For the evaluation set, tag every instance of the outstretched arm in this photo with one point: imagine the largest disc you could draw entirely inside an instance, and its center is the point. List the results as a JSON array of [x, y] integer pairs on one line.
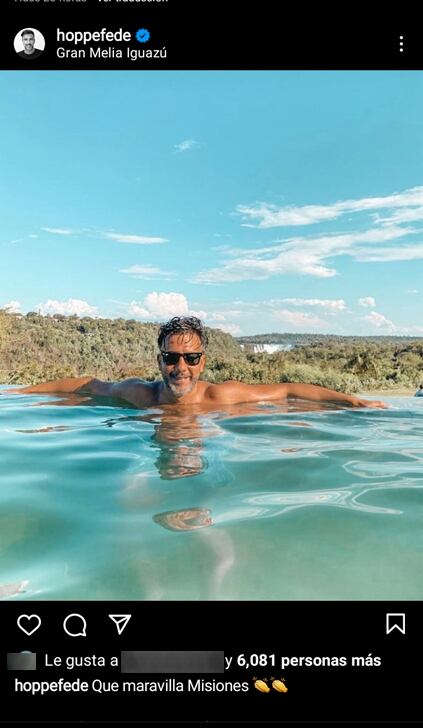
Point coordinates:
[[78, 384], [128, 390], [320, 394], [233, 392]]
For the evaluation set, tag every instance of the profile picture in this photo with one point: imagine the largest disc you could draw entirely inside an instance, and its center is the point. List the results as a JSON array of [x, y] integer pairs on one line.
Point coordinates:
[[29, 43]]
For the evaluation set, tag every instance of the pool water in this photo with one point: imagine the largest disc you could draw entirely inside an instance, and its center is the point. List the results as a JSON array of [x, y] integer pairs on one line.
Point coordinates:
[[265, 502]]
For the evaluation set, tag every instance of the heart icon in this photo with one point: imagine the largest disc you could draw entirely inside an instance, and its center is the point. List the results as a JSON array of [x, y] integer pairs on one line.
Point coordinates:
[[26, 619]]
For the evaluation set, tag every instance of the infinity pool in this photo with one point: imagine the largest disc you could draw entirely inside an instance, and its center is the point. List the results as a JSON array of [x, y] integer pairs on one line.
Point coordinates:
[[251, 502]]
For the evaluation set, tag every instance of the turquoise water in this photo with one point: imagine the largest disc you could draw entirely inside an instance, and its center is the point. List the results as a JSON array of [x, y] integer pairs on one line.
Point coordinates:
[[277, 502]]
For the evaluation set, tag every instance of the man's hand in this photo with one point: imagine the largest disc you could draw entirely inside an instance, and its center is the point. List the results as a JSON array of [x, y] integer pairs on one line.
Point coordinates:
[[370, 403]]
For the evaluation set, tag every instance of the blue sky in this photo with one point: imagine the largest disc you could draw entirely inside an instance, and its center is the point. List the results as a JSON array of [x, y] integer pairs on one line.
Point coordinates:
[[260, 201]]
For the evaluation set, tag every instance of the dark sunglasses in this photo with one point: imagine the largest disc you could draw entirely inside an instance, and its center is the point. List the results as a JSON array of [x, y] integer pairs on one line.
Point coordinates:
[[172, 357]]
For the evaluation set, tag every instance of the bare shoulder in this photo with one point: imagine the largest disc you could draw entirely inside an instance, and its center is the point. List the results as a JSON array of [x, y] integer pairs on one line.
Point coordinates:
[[136, 391]]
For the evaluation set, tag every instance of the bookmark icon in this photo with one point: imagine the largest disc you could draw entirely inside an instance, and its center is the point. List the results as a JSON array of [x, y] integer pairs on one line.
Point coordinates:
[[120, 620], [395, 620]]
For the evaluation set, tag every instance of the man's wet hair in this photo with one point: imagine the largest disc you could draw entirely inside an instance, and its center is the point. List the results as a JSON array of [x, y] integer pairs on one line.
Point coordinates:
[[182, 325], [28, 31]]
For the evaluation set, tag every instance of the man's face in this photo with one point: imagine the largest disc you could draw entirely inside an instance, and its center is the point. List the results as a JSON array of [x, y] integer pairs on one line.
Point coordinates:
[[28, 41], [181, 378]]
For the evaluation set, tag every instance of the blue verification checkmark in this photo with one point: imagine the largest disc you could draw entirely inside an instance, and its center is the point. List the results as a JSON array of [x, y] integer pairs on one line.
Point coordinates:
[[142, 35]]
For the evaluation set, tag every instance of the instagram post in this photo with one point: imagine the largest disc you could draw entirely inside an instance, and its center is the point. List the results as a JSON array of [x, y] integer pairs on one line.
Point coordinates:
[[211, 367]]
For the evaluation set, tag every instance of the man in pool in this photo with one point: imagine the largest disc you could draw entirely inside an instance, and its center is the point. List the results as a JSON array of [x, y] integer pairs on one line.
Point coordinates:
[[182, 342]]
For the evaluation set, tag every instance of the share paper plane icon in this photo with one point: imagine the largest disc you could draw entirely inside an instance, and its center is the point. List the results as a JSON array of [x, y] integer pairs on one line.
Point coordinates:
[[120, 620]]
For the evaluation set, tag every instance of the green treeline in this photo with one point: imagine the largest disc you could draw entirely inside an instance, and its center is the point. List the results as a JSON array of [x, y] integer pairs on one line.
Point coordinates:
[[36, 348]]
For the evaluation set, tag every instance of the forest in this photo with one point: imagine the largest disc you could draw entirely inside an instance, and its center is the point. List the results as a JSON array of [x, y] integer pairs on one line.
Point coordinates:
[[36, 348]]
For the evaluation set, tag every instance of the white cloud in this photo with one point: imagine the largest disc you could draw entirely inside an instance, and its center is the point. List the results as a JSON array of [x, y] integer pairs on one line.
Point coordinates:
[[379, 321], [412, 290], [407, 214], [12, 307], [119, 237], [33, 236], [410, 330], [252, 268], [200, 314], [268, 216], [186, 145], [67, 308], [232, 329], [160, 306], [299, 319], [367, 301], [59, 231], [137, 239], [134, 309], [300, 256], [333, 304], [146, 271], [385, 255], [219, 320], [216, 316]]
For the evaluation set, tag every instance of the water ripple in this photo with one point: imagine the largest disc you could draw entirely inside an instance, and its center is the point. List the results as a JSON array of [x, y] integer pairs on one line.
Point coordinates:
[[100, 502]]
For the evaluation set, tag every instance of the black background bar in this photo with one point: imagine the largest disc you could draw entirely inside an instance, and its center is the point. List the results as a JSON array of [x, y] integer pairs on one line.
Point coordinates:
[[382, 683], [220, 34]]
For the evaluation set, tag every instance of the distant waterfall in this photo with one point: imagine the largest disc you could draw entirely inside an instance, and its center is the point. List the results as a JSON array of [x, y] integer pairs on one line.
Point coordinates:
[[268, 348]]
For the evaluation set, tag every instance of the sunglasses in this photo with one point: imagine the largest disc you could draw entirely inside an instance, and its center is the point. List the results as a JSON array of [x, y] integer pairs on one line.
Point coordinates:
[[172, 357]]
